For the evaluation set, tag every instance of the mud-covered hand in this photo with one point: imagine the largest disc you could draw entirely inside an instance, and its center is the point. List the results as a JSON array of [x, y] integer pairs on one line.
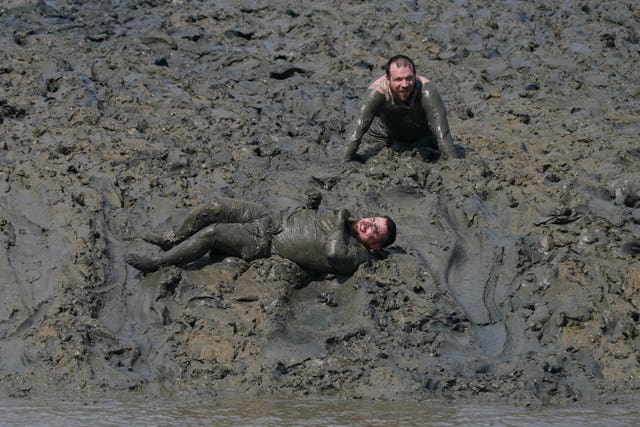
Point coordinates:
[[350, 154], [314, 198], [342, 217], [343, 256], [449, 151], [338, 242]]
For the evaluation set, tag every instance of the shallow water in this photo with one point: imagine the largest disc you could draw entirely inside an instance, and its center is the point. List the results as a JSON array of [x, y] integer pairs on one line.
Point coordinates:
[[238, 412]]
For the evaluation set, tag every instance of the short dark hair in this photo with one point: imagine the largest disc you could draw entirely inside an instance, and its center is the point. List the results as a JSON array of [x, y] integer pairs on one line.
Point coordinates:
[[399, 58], [391, 232]]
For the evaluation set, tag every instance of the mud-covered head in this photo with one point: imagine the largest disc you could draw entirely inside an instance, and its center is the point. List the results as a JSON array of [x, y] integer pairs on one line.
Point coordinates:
[[401, 75], [399, 61], [375, 232]]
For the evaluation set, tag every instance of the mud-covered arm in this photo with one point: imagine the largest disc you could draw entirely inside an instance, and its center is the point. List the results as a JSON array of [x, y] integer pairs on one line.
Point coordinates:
[[362, 120], [437, 119], [344, 256]]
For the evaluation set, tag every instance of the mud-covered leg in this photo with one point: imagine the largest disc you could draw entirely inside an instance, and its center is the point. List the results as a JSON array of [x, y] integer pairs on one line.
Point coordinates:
[[225, 239], [217, 211], [189, 250]]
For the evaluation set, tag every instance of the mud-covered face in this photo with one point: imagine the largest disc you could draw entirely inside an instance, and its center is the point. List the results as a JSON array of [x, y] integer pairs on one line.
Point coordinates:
[[371, 232], [402, 81]]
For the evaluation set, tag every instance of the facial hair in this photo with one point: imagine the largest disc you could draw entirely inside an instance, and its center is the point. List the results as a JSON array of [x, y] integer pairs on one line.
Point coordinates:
[[397, 96]]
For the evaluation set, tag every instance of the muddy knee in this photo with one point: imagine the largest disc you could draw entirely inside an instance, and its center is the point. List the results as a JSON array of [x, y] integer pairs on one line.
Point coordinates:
[[209, 233], [199, 218]]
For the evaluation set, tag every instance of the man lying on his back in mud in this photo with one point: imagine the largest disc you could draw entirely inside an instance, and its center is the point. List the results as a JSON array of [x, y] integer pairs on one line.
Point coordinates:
[[321, 241], [403, 110]]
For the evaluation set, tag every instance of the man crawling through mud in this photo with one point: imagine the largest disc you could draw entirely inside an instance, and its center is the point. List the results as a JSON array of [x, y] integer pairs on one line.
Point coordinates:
[[403, 111], [316, 240]]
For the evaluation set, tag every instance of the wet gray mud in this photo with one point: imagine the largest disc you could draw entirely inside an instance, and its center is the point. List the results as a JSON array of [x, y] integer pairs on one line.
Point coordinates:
[[515, 276]]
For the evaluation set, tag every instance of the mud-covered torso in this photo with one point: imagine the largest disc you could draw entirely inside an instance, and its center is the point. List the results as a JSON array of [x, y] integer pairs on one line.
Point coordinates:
[[403, 123], [304, 238]]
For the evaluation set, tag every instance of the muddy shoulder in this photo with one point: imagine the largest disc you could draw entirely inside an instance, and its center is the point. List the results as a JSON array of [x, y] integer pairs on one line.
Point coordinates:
[[515, 276]]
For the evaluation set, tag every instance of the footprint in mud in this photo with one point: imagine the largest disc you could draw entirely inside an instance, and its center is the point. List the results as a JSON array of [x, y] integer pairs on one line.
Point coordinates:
[[631, 247], [635, 152]]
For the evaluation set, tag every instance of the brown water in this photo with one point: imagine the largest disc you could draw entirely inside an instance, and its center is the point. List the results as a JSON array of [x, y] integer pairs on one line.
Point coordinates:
[[238, 412]]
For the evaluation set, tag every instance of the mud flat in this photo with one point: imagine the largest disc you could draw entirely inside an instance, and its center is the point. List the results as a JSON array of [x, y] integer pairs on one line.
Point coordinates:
[[515, 276]]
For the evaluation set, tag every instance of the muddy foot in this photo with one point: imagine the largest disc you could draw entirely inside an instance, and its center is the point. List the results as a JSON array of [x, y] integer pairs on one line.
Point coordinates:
[[631, 247], [142, 263], [164, 241]]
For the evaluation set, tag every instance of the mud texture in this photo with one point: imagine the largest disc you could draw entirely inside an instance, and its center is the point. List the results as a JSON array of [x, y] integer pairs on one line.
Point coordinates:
[[516, 273]]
